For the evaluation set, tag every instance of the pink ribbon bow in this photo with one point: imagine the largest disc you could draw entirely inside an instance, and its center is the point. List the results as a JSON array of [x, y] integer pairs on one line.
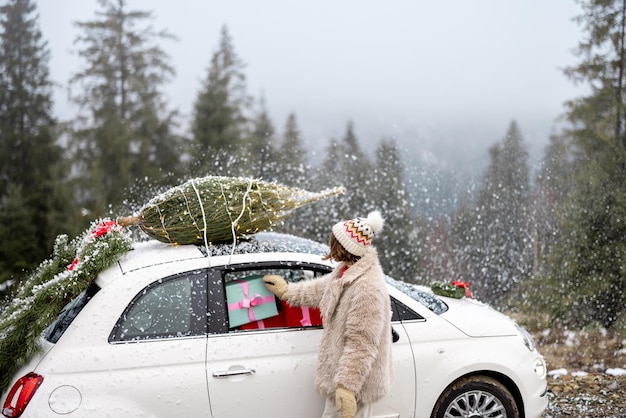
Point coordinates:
[[249, 303], [306, 317]]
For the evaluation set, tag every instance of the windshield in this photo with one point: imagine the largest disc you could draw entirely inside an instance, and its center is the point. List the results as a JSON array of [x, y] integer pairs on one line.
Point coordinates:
[[429, 300], [68, 313]]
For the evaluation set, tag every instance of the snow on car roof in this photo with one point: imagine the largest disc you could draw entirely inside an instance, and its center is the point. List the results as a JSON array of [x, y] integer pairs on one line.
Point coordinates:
[[269, 242], [148, 252]]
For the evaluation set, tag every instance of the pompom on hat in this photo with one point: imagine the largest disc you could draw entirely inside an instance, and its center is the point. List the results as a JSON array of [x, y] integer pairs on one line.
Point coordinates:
[[356, 234]]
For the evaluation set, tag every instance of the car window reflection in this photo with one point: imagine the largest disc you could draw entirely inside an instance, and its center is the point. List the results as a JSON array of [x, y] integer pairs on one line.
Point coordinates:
[[169, 308]]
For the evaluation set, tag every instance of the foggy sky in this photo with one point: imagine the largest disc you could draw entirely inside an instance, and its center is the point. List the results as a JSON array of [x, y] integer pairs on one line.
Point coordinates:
[[448, 73]]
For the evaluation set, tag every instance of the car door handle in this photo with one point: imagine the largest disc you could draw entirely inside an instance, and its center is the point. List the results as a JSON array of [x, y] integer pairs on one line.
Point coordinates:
[[229, 373]]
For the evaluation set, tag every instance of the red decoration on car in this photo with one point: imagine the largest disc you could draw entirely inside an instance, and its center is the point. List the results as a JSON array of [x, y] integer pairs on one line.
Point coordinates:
[[103, 228], [71, 266], [465, 285], [100, 230]]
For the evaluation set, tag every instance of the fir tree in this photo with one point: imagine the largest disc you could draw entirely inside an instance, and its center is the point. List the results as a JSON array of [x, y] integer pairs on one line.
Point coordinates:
[[588, 269], [330, 172], [294, 171], [553, 185], [125, 131], [331, 164], [30, 160], [18, 233], [344, 164], [291, 156], [220, 121], [314, 222], [261, 160], [397, 243], [355, 170], [461, 244], [501, 242], [215, 209]]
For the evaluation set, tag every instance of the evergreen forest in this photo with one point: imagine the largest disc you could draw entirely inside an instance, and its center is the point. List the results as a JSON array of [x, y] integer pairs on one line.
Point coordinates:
[[549, 241]]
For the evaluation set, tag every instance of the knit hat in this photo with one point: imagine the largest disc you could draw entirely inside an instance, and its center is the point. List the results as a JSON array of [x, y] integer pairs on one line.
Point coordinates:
[[356, 234]]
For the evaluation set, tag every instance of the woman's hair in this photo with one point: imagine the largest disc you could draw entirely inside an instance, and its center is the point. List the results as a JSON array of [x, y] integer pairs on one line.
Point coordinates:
[[338, 252]]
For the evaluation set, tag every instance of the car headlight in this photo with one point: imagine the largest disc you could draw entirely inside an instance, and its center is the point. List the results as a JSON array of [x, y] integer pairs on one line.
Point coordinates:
[[540, 367], [526, 337]]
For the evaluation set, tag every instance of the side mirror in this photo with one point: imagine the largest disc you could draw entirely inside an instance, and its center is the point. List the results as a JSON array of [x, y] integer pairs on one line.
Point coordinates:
[[394, 335]]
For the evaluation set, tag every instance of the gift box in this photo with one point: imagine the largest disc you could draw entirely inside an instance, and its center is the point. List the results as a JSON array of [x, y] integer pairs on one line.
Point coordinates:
[[277, 321], [300, 316], [249, 301]]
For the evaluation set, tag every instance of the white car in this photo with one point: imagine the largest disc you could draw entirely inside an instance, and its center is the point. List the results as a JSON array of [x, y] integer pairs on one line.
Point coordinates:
[[152, 337]]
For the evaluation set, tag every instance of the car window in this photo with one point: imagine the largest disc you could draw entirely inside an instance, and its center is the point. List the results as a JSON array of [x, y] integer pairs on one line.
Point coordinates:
[[401, 312], [251, 306], [429, 300], [168, 308], [62, 322], [289, 274]]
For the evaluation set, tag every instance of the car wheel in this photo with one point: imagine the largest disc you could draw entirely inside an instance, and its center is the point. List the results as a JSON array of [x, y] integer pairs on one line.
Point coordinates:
[[476, 397]]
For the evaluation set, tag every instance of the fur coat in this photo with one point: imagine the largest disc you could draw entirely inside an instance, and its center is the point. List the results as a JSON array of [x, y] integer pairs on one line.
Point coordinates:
[[355, 351]]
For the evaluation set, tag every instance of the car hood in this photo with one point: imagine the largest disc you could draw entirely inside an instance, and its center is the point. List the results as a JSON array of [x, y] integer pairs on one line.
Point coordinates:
[[477, 319]]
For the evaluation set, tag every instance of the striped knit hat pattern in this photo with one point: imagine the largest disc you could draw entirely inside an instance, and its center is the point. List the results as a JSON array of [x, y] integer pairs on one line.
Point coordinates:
[[356, 234]]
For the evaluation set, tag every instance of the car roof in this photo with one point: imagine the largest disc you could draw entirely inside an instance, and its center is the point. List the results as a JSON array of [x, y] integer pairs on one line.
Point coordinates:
[[259, 248], [150, 253]]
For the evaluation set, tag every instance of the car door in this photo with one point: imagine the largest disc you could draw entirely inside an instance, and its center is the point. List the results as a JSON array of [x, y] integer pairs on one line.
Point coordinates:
[[401, 399], [260, 372], [270, 372], [158, 351]]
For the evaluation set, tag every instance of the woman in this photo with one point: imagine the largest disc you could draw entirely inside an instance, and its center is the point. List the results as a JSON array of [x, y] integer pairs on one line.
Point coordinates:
[[354, 364]]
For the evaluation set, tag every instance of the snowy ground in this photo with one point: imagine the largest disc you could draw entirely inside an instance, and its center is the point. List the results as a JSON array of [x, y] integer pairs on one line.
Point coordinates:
[[559, 373], [587, 373], [583, 395]]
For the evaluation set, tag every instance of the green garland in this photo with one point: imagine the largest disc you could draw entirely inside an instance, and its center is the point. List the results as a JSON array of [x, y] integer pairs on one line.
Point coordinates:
[[447, 289], [55, 282], [220, 209]]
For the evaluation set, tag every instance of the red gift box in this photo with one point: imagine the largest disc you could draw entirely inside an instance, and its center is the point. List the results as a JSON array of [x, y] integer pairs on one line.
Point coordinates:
[[277, 321], [288, 316], [300, 316]]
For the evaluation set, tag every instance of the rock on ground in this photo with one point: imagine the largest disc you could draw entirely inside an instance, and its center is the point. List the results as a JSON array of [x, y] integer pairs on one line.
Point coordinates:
[[592, 395]]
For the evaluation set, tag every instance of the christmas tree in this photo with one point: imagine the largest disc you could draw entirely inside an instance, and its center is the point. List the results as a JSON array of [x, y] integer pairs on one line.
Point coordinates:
[[217, 209]]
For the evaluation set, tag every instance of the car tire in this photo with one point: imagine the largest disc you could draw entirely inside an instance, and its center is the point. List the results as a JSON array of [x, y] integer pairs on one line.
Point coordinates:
[[476, 397]]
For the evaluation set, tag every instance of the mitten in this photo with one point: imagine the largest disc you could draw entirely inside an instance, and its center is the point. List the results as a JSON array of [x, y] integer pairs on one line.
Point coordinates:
[[276, 284], [345, 402]]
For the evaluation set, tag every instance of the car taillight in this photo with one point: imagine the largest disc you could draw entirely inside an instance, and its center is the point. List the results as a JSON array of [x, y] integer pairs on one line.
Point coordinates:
[[21, 393]]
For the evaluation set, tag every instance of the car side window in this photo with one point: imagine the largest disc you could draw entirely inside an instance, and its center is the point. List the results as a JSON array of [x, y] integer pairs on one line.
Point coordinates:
[[252, 307], [401, 312], [63, 321], [168, 308]]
